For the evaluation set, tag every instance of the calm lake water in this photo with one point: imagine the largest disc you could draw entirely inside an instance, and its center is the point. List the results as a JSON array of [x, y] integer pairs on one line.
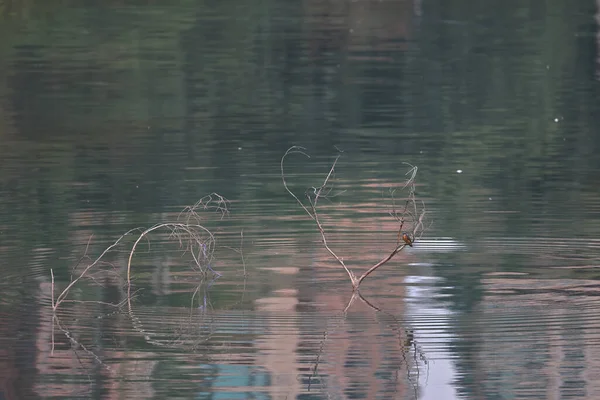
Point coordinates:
[[117, 116]]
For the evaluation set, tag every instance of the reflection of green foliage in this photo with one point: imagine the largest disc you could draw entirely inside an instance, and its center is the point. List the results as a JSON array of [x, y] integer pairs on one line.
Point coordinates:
[[122, 99], [498, 92], [106, 78], [108, 63], [493, 85]]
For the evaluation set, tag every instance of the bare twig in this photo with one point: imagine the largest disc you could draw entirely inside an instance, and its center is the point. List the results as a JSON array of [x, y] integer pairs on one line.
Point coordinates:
[[197, 244], [213, 201], [312, 212], [66, 290], [397, 250], [411, 215], [188, 231]]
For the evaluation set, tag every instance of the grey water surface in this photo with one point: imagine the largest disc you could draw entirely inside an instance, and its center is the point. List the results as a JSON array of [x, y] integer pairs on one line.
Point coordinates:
[[116, 115]]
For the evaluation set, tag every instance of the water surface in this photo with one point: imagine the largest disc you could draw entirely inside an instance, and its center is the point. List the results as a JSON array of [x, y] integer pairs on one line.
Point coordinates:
[[117, 116]]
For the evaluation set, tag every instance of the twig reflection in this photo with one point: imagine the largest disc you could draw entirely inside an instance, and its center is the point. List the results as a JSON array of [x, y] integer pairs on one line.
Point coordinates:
[[411, 353]]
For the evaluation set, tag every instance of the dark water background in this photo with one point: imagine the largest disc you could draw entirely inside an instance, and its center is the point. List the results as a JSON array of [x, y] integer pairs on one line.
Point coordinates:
[[117, 114]]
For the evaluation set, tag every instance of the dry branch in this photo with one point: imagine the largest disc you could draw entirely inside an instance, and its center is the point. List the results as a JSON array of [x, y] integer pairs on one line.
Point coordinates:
[[412, 214], [312, 212], [200, 244], [61, 297], [192, 236]]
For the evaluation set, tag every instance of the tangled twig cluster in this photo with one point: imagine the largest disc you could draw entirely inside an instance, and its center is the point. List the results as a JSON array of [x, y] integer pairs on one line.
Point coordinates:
[[193, 238]]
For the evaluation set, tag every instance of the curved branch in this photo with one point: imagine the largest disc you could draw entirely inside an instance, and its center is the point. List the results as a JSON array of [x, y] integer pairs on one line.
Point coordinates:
[[291, 150], [312, 212], [191, 229], [65, 291]]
